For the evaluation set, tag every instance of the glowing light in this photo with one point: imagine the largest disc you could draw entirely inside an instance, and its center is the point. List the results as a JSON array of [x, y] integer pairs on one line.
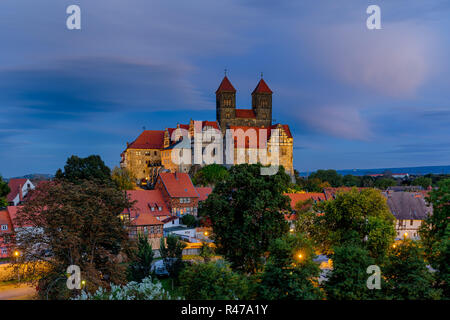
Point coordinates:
[[16, 253]]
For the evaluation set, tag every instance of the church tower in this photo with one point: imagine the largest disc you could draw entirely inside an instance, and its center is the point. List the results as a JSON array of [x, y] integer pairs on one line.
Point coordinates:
[[225, 103], [262, 103]]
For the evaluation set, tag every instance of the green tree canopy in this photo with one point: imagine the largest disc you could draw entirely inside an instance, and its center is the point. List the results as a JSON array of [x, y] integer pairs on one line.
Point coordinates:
[[140, 265], [123, 178], [210, 175], [406, 274], [350, 180], [4, 191], [172, 252], [360, 217], [384, 183], [435, 235], [78, 225], [348, 279], [189, 220], [424, 182], [89, 168], [246, 213], [290, 272], [214, 281], [330, 176]]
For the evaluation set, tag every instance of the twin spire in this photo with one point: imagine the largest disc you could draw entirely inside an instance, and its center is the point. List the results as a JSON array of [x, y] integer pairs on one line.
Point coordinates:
[[226, 86]]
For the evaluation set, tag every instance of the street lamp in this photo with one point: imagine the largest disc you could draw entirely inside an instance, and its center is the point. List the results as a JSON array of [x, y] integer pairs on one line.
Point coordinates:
[[17, 254], [205, 233], [291, 230], [405, 235]]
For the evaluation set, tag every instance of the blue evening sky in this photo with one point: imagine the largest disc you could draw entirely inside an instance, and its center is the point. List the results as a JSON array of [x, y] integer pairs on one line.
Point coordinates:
[[353, 97]]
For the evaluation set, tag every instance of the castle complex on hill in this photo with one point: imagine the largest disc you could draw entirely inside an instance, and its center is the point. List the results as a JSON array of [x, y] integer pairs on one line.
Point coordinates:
[[151, 152]]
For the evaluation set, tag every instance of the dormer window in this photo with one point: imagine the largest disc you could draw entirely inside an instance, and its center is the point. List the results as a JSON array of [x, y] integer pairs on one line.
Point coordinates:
[[153, 208], [4, 227], [160, 208]]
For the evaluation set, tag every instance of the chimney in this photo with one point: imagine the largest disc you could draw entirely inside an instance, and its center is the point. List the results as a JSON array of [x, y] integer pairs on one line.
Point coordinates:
[[176, 175]]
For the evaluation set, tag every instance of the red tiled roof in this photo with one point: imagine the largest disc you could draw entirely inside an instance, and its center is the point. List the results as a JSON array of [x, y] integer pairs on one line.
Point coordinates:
[[12, 211], [149, 139], [225, 85], [14, 185], [262, 87], [178, 185], [141, 213], [184, 126], [245, 113], [145, 199], [170, 219], [204, 192], [210, 124], [5, 219], [296, 197]]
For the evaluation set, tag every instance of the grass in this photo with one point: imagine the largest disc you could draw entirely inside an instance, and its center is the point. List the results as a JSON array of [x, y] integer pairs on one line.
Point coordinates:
[[167, 285]]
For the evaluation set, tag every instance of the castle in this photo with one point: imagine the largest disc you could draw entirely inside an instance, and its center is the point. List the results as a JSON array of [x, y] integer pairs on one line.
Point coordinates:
[[151, 152]]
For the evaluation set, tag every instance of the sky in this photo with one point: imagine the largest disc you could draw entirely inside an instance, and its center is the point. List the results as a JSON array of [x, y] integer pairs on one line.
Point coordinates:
[[353, 97]]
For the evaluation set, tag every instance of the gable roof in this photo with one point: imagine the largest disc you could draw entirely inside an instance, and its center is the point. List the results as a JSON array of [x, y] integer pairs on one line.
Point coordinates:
[[141, 213], [203, 192], [15, 185], [262, 87], [148, 139], [225, 85], [178, 185], [407, 205], [5, 219], [296, 197]]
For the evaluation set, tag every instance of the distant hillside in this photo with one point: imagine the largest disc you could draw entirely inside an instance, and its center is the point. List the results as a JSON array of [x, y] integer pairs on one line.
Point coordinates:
[[34, 177], [417, 171]]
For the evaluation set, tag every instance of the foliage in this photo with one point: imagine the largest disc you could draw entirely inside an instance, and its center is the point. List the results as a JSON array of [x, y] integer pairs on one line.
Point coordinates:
[[424, 182], [210, 175], [140, 266], [290, 272], [360, 217], [435, 235], [384, 183], [123, 178], [245, 212], [350, 180], [206, 252], [146, 290], [348, 279], [189, 220], [171, 252], [72, 224], [406, 273], [214, 281], [331, 176], [4, 191], [89, 168]]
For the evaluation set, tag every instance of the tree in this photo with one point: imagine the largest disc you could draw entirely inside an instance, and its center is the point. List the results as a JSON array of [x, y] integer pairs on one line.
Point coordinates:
[[367, 182], [172, 252], [348, 279], [435, 235], [4, 191], [384, 183], [123, 178], [189, 220], [214, 281], [290, 272], [210, 175], [360, 217], [316, 185], [330, 176], [141, 264], [406, 273], [65, 224], [423, 182], [350, 180], [246, 214], [89, 168], [206, 252]]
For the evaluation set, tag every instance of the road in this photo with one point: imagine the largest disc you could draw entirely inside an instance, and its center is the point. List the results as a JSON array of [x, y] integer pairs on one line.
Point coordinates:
[[16, 292]]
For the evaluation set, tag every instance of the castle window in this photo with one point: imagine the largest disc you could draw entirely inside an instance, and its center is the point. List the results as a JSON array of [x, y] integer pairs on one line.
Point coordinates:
[[227, 102]]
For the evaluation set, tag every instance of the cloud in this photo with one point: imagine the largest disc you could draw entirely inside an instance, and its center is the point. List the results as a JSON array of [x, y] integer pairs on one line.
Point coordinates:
[[395, 61], [339, 121]]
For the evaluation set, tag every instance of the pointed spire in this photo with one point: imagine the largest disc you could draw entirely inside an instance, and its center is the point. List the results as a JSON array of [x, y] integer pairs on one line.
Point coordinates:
[[262, 87], [225, 85]]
